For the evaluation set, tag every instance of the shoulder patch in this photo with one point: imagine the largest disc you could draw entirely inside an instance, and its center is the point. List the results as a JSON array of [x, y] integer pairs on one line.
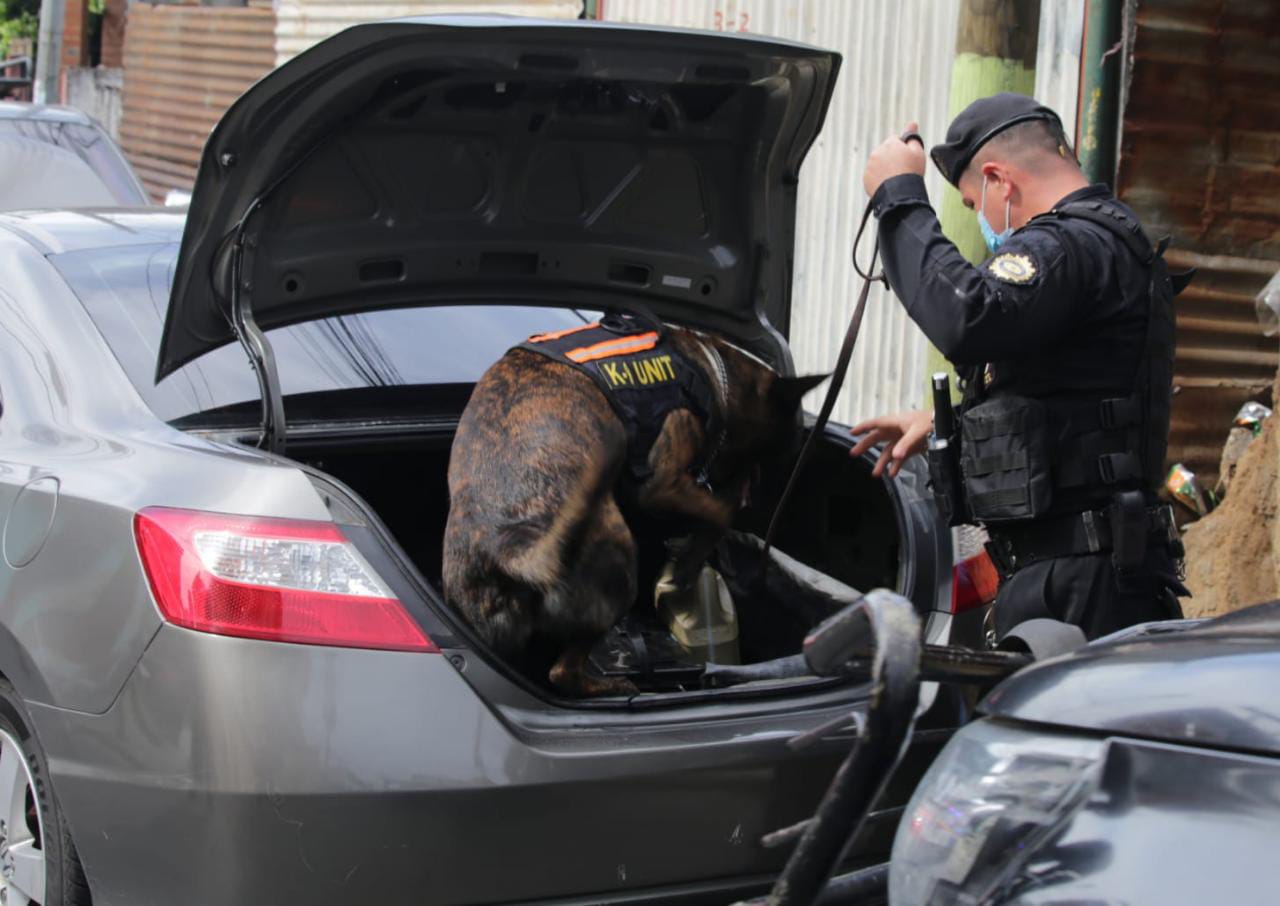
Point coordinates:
[[1012, 268]]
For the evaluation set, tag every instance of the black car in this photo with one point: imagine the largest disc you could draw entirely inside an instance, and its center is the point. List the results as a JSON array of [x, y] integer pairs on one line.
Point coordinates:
[[1142, 768]]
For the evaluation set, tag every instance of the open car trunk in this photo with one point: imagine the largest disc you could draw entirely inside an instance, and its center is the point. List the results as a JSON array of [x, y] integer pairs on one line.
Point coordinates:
[[841, 522], [461, 161]]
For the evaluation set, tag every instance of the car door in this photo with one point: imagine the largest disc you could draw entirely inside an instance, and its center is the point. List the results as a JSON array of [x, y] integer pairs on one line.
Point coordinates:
[[75, 613]]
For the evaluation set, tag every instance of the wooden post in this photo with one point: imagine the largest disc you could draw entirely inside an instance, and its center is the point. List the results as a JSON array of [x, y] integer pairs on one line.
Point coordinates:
[[995, 51]]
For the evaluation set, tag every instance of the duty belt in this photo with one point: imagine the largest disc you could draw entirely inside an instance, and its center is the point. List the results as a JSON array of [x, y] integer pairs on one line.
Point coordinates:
[[1013, 547]]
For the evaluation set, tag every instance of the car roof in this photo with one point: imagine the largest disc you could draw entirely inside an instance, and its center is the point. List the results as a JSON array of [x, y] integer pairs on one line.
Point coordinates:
[[50, 113], [56, 232]]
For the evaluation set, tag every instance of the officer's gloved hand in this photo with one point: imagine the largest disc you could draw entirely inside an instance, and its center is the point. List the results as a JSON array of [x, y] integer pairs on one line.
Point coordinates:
[[903, 434], [893, 157]]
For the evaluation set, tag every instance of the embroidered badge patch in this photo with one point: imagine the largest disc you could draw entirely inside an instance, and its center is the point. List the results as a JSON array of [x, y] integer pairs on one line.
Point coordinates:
[[1012, 268]]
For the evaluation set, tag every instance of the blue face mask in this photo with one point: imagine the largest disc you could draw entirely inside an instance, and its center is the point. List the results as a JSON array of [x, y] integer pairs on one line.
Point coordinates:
[[993, 239]]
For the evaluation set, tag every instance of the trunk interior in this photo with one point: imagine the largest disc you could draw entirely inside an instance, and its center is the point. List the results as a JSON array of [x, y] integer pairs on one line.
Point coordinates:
[[841, 522]]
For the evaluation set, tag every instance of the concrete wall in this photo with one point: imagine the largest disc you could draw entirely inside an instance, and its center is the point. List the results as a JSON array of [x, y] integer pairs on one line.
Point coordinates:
[[99, 93]]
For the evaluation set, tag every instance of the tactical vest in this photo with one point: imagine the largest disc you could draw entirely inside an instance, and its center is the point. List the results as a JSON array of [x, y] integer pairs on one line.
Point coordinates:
[[643, 376], [1019, 453]]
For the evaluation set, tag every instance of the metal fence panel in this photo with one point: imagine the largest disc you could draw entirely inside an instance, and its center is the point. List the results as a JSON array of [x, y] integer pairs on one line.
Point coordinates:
[[184, 66], [897, 67], [302, 23], [1058, 58], [1200, 162]]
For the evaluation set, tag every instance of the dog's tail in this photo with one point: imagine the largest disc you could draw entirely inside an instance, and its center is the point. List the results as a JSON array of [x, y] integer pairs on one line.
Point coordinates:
[[536, 551]]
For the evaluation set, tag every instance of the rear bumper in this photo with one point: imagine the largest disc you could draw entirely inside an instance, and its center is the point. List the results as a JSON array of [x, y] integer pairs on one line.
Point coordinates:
[[234, 771]]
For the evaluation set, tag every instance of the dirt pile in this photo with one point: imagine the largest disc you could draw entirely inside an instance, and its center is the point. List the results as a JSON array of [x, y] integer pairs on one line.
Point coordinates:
[[1233, 554]]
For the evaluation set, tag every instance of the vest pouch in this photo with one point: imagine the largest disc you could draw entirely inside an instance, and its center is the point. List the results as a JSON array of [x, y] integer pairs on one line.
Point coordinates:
[[1005, 459], [944, 479]]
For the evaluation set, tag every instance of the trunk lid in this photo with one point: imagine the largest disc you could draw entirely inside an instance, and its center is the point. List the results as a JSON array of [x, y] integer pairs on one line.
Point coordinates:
[[483, 159]]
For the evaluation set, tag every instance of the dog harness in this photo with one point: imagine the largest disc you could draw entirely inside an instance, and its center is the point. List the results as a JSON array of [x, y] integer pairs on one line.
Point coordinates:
[[644, 377]]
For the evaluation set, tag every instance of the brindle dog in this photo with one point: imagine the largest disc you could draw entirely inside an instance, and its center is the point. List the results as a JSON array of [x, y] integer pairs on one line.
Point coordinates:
[[536, 544]]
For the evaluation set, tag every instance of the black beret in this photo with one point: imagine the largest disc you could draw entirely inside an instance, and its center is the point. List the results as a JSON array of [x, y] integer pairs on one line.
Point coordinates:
[[981, 121]]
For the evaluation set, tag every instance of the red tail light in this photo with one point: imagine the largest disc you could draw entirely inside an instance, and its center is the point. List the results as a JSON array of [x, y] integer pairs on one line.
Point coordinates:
[[282, 580], [975, 582]]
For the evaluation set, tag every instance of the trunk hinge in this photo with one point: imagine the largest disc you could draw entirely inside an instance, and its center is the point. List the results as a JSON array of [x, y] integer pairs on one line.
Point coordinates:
[[272, 429]]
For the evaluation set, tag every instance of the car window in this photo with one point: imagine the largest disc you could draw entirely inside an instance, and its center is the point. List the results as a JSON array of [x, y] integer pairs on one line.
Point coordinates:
[[126, 292], [55, 164]]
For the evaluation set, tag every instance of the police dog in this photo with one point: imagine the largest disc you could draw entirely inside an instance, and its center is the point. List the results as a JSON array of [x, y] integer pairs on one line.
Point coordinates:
[[536, 546]]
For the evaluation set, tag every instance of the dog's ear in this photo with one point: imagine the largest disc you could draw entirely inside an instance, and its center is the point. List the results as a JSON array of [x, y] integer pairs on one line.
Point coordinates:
[[788, 391]]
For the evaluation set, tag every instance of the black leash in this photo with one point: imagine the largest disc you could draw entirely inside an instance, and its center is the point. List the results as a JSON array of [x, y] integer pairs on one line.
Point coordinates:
[[842, 362], [837, 377]]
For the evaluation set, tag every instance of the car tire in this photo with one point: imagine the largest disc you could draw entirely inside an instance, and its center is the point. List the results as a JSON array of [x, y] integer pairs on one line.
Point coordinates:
[[42, 828]]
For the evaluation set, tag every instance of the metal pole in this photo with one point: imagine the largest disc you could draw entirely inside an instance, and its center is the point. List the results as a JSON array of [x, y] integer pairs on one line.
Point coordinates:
[[1100, 68], [48, 52]]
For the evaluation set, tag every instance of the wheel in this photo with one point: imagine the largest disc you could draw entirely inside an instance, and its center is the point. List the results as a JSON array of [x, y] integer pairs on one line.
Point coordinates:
[[38, 861]]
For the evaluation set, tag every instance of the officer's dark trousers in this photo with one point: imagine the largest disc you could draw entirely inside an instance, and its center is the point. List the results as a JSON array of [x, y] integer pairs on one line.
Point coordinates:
[[1084, 590]]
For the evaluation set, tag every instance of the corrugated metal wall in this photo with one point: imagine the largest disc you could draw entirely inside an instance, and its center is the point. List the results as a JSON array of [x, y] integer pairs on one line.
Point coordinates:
[[897, 66], [184, 65], [301, 23], [1200, 161], [1058, 58]]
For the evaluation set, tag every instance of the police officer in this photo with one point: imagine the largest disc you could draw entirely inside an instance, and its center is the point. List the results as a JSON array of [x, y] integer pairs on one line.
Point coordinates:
[[1063, 343]]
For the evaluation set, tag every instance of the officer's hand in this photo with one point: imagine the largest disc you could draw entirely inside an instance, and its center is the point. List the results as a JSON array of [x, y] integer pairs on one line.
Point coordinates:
[[893, 158], [903, 435]]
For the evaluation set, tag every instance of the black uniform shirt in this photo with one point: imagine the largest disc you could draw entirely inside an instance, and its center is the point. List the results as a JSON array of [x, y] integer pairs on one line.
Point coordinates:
[[1058, 311]]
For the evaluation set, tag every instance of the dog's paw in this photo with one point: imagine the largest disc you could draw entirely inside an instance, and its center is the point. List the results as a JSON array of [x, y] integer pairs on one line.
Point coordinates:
[[583, 685], [614, 685]]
